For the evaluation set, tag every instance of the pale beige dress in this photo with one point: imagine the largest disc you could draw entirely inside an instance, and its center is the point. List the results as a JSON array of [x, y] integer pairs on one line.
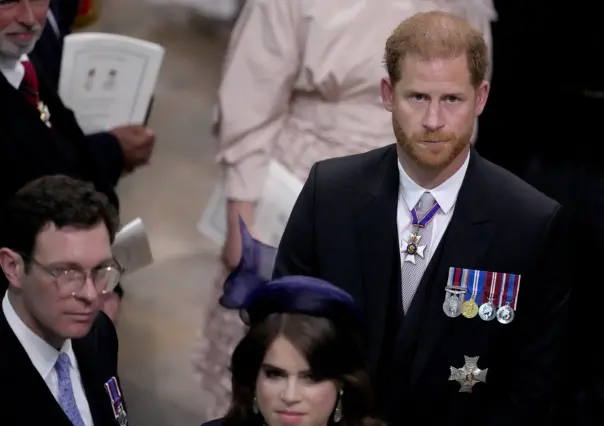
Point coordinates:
[[301, 83]]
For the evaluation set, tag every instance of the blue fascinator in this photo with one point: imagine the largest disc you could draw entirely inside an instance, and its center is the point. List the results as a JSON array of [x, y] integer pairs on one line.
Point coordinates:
[[250, 289]]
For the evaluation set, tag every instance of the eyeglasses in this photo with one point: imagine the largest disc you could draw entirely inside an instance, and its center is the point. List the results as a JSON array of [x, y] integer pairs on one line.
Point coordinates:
[[71, 281]]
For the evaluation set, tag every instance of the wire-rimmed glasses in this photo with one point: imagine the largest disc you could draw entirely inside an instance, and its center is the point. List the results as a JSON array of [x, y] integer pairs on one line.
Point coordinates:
[[70, 280]]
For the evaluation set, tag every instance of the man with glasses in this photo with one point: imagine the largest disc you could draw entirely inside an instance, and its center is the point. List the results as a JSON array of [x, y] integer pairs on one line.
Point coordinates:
[[55, 239]]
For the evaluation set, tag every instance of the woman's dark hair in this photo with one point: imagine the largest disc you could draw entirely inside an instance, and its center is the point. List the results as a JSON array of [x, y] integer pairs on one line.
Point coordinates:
[[333, 350]]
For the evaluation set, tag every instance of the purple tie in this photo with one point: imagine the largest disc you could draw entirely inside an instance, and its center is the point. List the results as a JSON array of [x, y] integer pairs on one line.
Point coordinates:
[[66, 397]]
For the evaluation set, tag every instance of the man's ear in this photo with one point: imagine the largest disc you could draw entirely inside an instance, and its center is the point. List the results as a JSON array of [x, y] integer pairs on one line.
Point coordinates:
[[482, 94], [12, 265], [387, 89]]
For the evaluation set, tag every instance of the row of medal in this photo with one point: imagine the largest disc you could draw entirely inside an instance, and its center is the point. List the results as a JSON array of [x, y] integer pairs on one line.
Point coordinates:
[[489, 295]]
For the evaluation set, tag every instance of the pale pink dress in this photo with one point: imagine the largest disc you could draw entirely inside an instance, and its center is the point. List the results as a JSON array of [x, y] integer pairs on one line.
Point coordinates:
[[301, 83]]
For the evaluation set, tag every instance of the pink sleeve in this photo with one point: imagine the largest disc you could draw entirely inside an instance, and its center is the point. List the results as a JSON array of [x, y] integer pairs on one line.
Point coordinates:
[[261, 65]]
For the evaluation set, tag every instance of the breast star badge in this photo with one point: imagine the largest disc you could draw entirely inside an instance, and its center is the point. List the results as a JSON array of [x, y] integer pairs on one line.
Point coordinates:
[[468, 375], [412, 248]]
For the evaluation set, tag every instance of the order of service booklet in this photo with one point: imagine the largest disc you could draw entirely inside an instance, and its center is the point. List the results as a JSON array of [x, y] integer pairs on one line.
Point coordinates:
[[108, 80]]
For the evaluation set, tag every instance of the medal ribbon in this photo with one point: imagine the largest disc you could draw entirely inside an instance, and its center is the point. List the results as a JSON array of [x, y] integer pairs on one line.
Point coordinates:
[[478, 289], [479, 280], [512, 290], [489, 291], [456, 280], [508, 293], [450, 279], [464, 280], [502, 290], [471, 283], [509, 290], [115, 394], [426, 219]]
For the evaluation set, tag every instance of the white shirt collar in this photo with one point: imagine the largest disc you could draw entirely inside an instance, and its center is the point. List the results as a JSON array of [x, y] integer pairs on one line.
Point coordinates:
[[42, 355], [445, 194], [13, 70]]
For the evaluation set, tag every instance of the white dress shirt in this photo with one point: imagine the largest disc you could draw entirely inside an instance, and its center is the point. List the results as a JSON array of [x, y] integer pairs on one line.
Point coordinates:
[[444, 194], [13, 70], [44, 357]]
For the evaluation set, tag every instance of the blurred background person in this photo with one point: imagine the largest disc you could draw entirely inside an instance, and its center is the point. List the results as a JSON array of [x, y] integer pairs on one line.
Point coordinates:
[[300, 84], [88, 12], [302, 360], [215, 10]]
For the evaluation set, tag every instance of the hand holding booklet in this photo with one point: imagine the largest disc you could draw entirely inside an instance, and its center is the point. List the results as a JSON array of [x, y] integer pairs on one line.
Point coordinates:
[[131, 247], [108, 80]]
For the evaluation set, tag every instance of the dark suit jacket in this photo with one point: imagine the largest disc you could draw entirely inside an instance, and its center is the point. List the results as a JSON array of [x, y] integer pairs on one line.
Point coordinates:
[[30, 150], [49, 48], [28, 401], [343, 229], [47, 56]]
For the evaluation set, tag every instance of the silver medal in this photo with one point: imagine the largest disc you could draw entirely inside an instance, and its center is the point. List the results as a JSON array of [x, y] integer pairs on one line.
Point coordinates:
[[505, 314], [487, 311], [122, 418], [452, 306]]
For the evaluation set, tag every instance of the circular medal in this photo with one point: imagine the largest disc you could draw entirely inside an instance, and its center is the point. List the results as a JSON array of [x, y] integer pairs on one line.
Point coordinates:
[[470, 309], [411, 248], [452, 306], [487, 311], [505, 314]]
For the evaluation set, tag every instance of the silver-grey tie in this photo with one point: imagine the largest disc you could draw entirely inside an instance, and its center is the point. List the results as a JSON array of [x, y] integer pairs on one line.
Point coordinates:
[[411, 274]]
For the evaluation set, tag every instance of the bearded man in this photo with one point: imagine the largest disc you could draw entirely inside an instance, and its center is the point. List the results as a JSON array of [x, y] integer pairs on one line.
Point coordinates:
[[453, 260]]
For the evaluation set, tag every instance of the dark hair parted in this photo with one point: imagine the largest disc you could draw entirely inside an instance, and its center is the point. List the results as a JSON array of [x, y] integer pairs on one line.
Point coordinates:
[[333, 350], [60, 200]]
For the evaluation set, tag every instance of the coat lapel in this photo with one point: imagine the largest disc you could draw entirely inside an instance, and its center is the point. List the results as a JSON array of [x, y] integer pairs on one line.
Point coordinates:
[[62, 149], [27, 389], [377, 237], [37, 147], [463, 246], [93, 381]]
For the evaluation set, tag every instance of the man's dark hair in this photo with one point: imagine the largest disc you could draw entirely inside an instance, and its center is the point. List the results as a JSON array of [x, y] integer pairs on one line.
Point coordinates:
[[60, 200]]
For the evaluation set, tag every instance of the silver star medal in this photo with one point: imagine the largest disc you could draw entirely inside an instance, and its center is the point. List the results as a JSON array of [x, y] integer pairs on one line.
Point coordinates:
[[468, 375], [412, 248]]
